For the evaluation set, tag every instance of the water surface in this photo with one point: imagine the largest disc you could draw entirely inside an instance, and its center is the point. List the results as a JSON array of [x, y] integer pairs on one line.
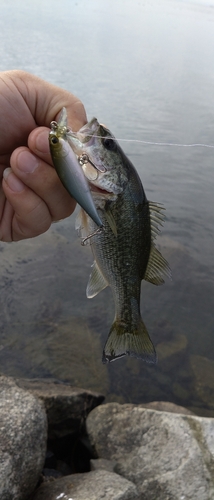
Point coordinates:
[[146, 70]]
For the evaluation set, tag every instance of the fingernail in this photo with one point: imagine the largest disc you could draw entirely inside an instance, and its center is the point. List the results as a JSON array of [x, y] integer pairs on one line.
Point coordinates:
[[42, 142], [26, 162], [12, 181]]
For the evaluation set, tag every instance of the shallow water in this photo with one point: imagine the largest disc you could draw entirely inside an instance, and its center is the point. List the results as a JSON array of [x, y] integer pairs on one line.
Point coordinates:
[[146, 70]]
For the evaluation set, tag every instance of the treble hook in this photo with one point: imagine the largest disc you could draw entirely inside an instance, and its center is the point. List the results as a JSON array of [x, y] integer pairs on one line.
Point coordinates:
[[97, 231], [84, 158]]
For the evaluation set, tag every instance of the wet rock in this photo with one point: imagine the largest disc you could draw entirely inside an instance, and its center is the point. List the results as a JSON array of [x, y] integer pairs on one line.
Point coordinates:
[[203, 369], [201, 411], [102, 464], [89, 486], [168, 456], [23, 434], [67, 407], [63, 468], [171, 352], [50, 474], [166, 406]]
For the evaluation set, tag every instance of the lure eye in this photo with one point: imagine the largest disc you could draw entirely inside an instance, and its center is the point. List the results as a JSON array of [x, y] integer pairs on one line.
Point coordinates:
[[54, 140], [109, 144]]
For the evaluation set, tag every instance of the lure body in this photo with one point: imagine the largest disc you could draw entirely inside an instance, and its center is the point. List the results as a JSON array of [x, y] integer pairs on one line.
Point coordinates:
[[69, 170]]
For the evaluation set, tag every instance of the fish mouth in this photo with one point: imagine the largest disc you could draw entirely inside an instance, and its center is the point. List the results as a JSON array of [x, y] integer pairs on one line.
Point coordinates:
[[85, 135], [99, 190]]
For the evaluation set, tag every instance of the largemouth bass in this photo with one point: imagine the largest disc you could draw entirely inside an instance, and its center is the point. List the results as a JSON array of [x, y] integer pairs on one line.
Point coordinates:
[[124, 252], [68, 168]]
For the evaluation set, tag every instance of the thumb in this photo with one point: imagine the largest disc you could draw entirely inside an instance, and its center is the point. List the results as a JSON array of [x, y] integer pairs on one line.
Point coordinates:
[[46, 100]]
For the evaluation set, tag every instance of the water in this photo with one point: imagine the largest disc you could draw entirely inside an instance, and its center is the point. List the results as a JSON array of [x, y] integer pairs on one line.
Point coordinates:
[[146, 70]]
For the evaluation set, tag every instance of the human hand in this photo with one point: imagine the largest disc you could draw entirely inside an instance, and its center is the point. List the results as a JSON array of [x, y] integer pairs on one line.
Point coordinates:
[[31, 195]]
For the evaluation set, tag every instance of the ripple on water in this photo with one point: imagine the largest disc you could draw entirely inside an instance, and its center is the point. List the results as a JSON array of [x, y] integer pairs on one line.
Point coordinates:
[[49, 328]]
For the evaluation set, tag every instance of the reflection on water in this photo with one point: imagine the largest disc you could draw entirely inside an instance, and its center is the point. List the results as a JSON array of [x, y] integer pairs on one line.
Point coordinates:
[[147, 72], [44, 327], [50, 329]]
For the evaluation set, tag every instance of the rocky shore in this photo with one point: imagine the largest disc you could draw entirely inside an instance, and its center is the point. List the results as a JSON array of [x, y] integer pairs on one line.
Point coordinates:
[[60, 442]]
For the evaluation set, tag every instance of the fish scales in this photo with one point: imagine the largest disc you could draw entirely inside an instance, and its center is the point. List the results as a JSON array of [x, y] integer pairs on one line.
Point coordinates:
[[123, 260], [124, 251], [124, 265]]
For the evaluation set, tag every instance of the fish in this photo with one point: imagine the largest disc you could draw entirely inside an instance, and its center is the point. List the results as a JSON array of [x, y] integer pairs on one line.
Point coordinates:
[[69, 169], [124, 252]]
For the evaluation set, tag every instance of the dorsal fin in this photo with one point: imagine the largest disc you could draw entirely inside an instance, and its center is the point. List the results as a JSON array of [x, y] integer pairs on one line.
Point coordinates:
[[156, 218], [96, 282]]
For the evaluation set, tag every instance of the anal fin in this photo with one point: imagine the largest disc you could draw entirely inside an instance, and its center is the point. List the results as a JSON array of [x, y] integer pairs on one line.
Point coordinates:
[[96, 282], [82, 224], [157, 267]]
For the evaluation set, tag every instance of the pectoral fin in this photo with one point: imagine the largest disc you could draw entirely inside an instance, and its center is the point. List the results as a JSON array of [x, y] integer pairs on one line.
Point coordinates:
[[96, 282], [110, 219]]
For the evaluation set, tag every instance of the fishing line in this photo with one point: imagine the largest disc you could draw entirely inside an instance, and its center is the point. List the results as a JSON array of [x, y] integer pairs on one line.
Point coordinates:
[[194, 145]]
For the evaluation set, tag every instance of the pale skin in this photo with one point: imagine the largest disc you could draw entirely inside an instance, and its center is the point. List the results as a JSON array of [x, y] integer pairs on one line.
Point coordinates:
[[31, 194]]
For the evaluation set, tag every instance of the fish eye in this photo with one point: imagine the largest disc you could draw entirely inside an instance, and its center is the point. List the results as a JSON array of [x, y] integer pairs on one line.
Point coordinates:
[[54, 140], [109, 144]]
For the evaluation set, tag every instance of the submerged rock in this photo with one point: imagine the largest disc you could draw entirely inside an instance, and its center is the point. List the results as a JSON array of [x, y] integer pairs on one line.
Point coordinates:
[[88, 486], [203, 369], [171, 352], [44, 313], [23, 434], [168, 456], [72, 353], [67, 407]]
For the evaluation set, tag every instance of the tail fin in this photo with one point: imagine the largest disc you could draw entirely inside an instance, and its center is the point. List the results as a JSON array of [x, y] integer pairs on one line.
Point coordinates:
[[122, 342]]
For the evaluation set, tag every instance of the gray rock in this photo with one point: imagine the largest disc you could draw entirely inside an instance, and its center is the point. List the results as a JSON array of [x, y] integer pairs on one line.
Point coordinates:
[[168, 456], [94, 485], [166, 406], [23, 434], [67, 407], [102, 464]]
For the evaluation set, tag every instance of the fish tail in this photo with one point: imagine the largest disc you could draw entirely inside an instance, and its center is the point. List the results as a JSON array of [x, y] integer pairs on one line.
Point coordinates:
[[124, 341]]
